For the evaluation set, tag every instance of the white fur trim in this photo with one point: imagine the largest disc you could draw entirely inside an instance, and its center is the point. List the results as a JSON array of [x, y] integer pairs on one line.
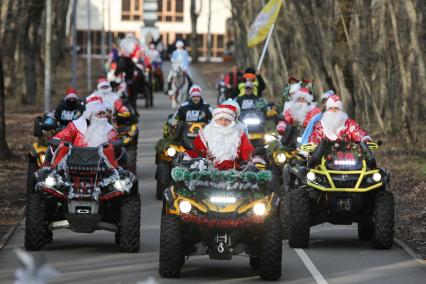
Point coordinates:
[[81, 124], [330, 103], [308, 97], [224, 113]]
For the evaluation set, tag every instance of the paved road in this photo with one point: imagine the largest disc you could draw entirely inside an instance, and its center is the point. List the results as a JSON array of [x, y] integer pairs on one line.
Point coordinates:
[[335, 255]]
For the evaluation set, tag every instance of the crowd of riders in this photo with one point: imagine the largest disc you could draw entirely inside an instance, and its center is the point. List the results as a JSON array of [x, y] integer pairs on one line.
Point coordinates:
[[225, 137]]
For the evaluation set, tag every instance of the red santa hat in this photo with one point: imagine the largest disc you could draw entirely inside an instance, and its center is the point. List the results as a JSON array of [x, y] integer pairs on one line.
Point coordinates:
[[226, 111], [93, 106], [102, 84], [233, 103], [71, 93], [334, 101], [195, 91], [302, 93]]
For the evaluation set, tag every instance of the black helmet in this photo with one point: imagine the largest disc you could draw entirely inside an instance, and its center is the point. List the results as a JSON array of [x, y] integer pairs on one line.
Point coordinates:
[[49, 123]]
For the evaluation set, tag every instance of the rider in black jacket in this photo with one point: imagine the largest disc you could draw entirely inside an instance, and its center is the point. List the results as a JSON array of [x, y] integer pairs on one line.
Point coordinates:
[[193, 110], [70, 108]]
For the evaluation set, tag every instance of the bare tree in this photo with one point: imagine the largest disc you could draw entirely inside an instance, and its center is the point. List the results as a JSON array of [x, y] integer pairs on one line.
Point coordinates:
[[194, 38]]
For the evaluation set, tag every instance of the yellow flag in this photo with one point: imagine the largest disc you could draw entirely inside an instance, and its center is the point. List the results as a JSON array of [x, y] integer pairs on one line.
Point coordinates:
[[263, 22]]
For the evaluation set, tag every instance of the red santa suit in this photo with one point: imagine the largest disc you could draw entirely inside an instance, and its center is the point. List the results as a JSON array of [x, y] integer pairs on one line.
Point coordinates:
[[295, 112], [228, 146], [81, 134], [336, 126], [109, 98]]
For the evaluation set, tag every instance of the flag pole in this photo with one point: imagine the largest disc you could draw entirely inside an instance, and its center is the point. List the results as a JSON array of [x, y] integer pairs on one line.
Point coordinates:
[[265, 47]]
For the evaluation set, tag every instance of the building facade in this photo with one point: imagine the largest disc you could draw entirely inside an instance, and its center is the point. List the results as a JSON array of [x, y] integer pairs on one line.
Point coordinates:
[[119, 17]]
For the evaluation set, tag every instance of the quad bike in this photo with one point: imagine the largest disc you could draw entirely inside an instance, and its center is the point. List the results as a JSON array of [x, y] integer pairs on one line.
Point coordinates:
[[281, 157], [220, 214], [341, 184], [127, 128], [169, 150], [84, 189], [44, 128]]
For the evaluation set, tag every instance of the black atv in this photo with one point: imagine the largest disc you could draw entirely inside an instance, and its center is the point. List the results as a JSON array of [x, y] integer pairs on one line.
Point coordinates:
[[84, 189]]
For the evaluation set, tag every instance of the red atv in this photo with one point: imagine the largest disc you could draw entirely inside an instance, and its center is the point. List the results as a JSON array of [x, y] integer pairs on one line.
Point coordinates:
[[84, 189]]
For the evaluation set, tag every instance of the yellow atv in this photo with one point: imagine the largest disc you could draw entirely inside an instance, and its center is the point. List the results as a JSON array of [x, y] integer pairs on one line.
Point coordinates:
[[281, 157], [128, 132], [44, 128], [168, 149], [220, 214], [341, 184]]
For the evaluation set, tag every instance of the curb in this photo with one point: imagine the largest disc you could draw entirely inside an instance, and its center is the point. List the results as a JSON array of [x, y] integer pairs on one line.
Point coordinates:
[[410, 252], [10, 232]]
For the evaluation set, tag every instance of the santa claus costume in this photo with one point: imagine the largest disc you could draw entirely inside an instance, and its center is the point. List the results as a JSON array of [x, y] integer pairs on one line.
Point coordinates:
[[111, 99], [295, 111], [336, 126], [226, 146], [89, 130]]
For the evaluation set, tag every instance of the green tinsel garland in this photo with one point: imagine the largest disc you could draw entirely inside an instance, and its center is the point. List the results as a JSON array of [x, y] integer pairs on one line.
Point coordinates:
[[183, 174], [164, 143]]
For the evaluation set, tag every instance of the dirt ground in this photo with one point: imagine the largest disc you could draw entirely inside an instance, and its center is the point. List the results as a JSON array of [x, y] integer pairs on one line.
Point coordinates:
[[408, 172]]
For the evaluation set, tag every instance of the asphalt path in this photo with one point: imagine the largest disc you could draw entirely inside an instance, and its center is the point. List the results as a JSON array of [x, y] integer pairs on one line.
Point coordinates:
[[335, 255]]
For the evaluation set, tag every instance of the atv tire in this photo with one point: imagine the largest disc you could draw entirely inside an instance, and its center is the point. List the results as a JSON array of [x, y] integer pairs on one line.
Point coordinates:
[[299, 219], [171, 246], [36, 223], [365, 231], [271, 249], [164, 179], [254, 262], [32, 168], [129, 228], [132, 159], [384, 221], [284, 214]]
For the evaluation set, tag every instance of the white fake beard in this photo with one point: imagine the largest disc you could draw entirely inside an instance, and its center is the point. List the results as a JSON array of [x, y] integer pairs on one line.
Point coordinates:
[[222, 142], [333, 123], [97, 132], [299, 111]]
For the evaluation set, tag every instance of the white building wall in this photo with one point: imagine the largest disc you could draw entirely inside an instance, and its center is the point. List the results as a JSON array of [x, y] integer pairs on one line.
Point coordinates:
[[220, 13]]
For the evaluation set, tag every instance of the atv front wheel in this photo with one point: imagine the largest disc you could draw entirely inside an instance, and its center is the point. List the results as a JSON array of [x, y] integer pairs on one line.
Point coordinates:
[[365, 231], [36, 223], [32, 168], [164, 178], [383, 220], [132, 159], [284, 204], [299, 219], [129, 229], [171, 246], [271, 249]]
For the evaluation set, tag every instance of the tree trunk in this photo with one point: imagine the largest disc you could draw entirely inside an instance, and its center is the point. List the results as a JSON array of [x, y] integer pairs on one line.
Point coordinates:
[[194, 40], [4, 148]]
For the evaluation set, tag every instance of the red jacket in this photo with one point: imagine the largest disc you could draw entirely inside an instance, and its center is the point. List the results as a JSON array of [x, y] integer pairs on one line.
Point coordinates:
[[74, 133], [350, 132], [245, 151]]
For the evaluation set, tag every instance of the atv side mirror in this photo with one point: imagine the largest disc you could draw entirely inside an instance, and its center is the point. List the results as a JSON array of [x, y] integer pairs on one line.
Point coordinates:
[[373, 146], [310, 147]]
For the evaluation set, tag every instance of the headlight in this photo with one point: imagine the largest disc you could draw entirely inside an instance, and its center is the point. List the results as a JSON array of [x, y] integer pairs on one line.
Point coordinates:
[[281, 158], [50, 181], [310, 176], [185, 206], [269, 138], [251, 121], [42, 157], [377, 177], [171, 152], [259, 209], [345, 162], [223, 199]]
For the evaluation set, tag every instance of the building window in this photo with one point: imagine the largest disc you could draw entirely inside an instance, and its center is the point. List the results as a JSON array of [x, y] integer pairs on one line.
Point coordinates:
[[132, 10], [170, 10]]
